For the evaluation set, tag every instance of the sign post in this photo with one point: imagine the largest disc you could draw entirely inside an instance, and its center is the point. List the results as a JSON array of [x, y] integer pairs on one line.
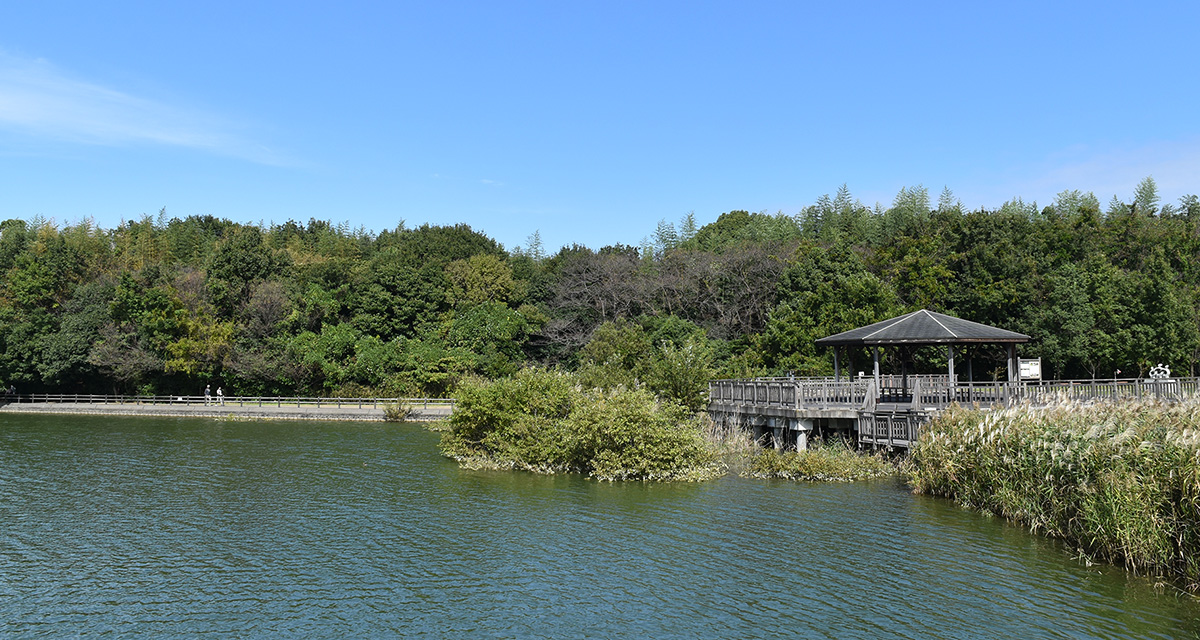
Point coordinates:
[[1030, 368]]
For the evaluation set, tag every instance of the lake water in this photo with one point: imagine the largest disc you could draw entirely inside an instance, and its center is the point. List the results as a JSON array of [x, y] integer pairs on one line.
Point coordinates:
[[204, 528]]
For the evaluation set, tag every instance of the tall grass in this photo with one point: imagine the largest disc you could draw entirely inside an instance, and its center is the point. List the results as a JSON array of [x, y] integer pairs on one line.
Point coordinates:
[[828, 461], [1119, 481]]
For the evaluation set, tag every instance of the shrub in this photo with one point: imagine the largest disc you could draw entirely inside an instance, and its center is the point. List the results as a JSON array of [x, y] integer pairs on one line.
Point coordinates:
[[629, 434], [542, 420]]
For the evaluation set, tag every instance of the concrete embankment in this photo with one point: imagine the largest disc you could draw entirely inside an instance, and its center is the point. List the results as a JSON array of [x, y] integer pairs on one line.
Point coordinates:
[[231, 411]]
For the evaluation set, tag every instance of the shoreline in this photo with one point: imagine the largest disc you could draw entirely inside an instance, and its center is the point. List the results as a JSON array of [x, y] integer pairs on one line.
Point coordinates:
[[228, 411]]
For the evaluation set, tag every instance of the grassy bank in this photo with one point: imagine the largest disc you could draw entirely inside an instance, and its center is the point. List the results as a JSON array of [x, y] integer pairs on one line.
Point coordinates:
[[1120, 481]]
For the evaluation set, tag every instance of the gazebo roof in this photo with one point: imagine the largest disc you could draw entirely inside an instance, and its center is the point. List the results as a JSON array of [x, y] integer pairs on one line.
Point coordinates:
[[922, 327]]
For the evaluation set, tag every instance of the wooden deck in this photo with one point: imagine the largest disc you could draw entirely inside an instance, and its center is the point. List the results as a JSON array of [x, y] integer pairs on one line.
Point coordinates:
[[892, 414]]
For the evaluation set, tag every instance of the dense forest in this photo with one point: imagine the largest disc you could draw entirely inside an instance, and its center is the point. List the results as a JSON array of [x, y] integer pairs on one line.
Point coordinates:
[[164, 305]]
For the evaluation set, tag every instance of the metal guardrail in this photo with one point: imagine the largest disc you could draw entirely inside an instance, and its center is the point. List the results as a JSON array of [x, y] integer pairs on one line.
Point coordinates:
[[236, 401]]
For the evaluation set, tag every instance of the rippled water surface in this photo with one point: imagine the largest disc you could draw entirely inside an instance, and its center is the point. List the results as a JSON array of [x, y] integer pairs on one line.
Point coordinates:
[[193, 528]]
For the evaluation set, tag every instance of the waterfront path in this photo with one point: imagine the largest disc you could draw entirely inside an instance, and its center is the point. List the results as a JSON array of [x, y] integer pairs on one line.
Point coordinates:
[[236, 408]]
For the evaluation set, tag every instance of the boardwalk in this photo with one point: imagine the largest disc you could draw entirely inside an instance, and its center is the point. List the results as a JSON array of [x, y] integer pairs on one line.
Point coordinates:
[[233, 407], [787, 410]]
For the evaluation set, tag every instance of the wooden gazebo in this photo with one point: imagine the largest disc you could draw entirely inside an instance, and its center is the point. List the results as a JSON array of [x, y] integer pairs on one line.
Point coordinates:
[[923, 328]]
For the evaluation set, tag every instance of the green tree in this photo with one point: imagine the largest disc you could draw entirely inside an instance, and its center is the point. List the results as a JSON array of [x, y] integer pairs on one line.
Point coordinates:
[[237, 264], [491, 331], [681, 372], [947, 203], [63, 356], [392, 298], [1065, 327], [1145, 197], [480, 279], [825, 291], [615, 355]]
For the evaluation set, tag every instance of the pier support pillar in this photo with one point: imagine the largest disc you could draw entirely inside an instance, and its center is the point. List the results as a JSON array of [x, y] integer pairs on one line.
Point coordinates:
[[803, 428], [760, 428]]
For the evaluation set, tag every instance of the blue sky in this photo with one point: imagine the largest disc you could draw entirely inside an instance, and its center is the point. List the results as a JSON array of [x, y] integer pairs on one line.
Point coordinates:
[[586, 121]]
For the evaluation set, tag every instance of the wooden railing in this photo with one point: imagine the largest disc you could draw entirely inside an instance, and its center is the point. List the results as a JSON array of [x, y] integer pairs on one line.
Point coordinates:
[[813, 393], [236, 401], [895, 429], [937, 392], [892, 416]]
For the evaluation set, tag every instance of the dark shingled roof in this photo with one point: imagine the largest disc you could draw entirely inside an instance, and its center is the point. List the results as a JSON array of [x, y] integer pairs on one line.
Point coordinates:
[[922, 327]]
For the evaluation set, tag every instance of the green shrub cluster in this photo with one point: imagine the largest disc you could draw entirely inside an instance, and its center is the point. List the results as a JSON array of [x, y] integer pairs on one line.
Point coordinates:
[[832, 461], [544, 420], [1120, 481]]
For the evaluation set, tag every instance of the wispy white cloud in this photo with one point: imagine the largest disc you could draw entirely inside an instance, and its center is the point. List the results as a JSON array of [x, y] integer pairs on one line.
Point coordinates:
[[39, 99], [1175, 167], [1105, 171], [492, 183]]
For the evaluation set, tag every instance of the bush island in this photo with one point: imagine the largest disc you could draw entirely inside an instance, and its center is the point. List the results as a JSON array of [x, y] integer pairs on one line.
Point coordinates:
[[1120, 481], [544, 420]]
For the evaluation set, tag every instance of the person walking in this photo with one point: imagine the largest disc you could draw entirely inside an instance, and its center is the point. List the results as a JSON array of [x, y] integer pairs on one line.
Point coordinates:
[[220, 397], [207, 394]]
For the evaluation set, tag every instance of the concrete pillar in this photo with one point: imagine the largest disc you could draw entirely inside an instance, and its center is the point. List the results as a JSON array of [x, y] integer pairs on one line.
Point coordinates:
[[773, 429], [803, 428]]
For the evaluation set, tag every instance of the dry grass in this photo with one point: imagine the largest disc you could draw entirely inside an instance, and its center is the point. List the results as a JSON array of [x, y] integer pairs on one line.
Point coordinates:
[[830, 461]]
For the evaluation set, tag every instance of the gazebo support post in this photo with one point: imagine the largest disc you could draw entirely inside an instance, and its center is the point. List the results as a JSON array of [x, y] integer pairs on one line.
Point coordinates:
[[878, 388], [971, 375], [1012, 362], [837, 367], [1012, 372], [950, 358]]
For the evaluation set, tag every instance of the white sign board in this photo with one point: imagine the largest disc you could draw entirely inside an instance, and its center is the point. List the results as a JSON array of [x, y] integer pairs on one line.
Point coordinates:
[[1030, 368]]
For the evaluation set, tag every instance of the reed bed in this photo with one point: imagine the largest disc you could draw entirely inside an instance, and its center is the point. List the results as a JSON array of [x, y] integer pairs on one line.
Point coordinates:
[[829, 461], [1121, 481]]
